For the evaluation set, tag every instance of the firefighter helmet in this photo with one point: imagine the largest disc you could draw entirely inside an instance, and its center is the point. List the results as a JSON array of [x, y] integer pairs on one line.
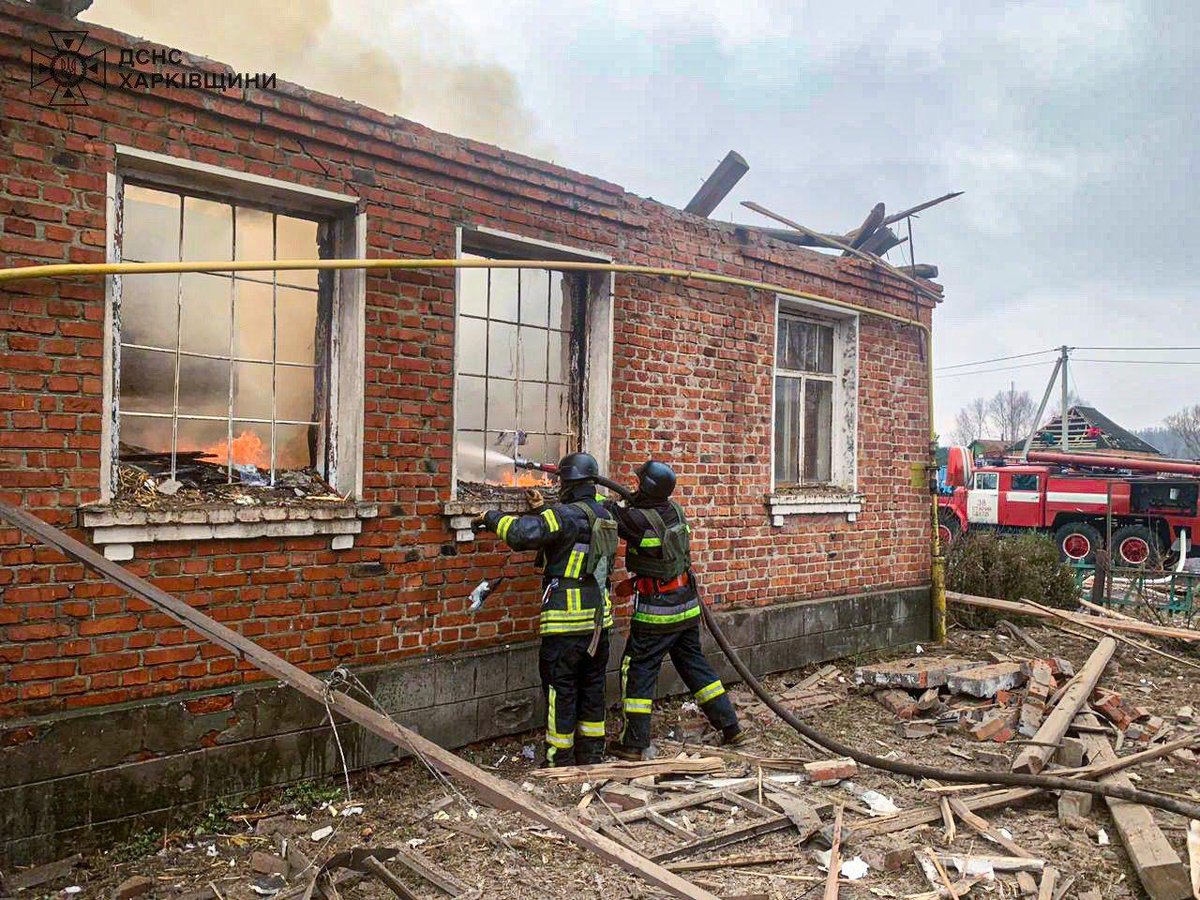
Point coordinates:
[[578, 467], [656, 480]]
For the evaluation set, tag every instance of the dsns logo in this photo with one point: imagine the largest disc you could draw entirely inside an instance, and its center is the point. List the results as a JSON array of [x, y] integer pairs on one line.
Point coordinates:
[[71, 69]]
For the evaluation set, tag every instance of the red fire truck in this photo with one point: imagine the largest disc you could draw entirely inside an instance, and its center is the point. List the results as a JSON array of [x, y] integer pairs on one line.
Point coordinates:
[[1149, 504]]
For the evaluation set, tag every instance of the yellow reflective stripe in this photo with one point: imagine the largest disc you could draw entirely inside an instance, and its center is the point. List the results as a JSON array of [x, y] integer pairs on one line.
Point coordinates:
[[551, 715], [651, 542], [574, 600], [551, 520], [561, 741], [574, 564], [636, 705], [600, 498], [566, 615], [591, 729], [503, 525], [710, 692], [669, 619]]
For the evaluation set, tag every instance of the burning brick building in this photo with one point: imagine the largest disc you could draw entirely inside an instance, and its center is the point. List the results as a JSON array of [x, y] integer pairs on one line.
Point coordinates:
[[298, 453]]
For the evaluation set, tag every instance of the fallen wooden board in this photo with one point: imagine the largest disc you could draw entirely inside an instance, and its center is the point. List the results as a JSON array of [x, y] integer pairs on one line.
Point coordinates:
[[726, 838], [835, 857], [723, 862], [1024, 609], [964, 862], [1034, 757], [808, 682], [1193, 845], [27, 878], [981, 826], [493, 790], [914, 817], [628, 771], [1158, 866]]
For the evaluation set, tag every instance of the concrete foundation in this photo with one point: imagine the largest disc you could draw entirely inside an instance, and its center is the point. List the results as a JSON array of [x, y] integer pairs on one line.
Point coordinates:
[[96, 776]]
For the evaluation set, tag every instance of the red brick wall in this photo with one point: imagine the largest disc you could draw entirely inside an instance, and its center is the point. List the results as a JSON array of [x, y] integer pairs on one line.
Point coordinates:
[[692, 383]]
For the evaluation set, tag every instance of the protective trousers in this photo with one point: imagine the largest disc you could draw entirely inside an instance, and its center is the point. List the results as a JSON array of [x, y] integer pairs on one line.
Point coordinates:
[[639, 674], [574, 686]]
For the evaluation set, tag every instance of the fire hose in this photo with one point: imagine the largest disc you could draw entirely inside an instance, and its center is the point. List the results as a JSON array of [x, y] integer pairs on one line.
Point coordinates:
[[917, 770]]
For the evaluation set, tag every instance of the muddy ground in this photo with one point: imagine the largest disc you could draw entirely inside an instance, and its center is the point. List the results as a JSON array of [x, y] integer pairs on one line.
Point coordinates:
[[504, 856]]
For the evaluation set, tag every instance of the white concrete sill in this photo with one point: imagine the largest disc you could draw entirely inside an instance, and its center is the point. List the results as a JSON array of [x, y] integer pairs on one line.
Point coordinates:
[[117, 530], [816, 503], [461, 512]]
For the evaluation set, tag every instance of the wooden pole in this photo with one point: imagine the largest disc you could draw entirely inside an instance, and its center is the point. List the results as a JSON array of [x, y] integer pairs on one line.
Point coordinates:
[[835, 857], [870, 225], [718, 185], [1034, 757], [493, 790], [1024, 608]]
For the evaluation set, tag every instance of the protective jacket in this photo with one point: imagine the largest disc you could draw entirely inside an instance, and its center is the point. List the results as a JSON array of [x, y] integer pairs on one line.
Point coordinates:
[[574, 599], [658, 555]]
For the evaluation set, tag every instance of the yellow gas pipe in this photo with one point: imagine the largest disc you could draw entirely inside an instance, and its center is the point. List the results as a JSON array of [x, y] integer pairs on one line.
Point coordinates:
[[66, 270]]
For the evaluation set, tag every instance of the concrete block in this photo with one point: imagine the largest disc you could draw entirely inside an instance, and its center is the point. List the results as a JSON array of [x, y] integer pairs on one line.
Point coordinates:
[[1070, 753], [450, 724], [72, 744], [118, 552], [510, 713], [44, 807], [454, 679], [153, 784], [986, 681], [919, 672], [407, 687], [341, 542]]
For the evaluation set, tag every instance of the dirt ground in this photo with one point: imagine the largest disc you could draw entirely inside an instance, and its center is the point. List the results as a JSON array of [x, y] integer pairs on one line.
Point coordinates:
[[505, 856]]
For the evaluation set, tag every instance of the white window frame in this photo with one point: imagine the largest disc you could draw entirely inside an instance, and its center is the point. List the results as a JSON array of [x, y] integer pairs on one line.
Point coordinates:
[[840, 496], [596, 415], [346, 362]]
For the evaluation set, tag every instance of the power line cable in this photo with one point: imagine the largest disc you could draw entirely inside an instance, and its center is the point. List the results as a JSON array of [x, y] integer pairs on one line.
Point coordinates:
[[1137, 348], [980, 362], [1039, 364], [1140, 362]]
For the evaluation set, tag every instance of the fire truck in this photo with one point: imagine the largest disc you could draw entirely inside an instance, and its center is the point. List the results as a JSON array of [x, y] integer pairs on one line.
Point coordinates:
[[1148, 505]]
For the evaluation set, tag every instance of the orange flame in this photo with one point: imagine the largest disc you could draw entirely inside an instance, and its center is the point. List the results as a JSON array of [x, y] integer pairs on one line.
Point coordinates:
[[526, 478], [247, 447]]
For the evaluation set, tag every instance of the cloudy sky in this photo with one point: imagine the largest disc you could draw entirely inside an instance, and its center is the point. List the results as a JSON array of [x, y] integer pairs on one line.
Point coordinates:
[[1072, 127]]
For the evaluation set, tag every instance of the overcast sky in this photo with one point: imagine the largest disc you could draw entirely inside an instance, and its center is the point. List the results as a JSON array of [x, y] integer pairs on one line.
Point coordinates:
[[1072, 127]]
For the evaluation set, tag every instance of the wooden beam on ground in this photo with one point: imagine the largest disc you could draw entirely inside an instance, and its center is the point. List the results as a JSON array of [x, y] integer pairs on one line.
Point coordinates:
[[718, 185], [493, 790], [726, 838], [1193, 845], [1158, 866], [866, 257], [914, 817], [1033, 612], [1034, 756], [722, 862], [835, 857]]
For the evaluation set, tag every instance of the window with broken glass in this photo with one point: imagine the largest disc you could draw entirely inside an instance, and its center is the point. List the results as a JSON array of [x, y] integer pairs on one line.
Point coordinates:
[[804, 388], [515, 391], [221, 377]]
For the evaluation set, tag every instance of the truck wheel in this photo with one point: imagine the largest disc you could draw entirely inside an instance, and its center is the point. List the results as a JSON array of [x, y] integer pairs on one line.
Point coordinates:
[[1135, 545], [949, 527], [1077, 542]]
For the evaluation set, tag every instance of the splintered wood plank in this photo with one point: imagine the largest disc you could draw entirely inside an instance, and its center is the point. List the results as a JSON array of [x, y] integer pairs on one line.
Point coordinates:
[[835, 857], [725, 838], [1159, 868], [981, 826], [914, 817], [491, 789]]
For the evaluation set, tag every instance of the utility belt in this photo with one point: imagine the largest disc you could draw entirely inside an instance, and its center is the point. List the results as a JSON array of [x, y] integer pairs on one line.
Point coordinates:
[[655, 609], [651, 586], [575, 606]]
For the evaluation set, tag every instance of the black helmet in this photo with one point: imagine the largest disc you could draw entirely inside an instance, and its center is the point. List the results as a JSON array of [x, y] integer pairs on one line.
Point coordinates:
[[578, 467], [656, 480]]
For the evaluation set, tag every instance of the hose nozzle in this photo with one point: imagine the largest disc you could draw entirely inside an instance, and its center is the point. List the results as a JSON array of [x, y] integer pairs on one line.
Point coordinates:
[[522, 463]]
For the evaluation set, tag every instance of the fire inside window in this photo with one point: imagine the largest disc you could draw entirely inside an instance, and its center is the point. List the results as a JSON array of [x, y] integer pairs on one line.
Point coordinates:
[[515, 389], [226, 370], [804, 353]]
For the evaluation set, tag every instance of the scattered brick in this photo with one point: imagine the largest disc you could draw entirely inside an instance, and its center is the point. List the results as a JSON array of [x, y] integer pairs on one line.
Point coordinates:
[[998, 727], [1041, 682], [1069, 753], [1108, 704], [985, 681], [830, 771], [917, 673], [898, 703], [268, 864], [1185, 715], [915, 730], [134, 886]]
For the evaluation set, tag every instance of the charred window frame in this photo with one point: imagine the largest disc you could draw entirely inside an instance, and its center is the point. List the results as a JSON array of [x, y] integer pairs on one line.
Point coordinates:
[[335, 311], [502, 341]]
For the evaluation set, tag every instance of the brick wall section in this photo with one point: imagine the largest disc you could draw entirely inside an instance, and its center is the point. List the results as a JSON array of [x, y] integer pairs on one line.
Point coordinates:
[[692, 383]]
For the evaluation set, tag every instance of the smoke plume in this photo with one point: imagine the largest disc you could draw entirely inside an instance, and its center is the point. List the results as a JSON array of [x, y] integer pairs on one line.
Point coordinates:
[[301, 41]]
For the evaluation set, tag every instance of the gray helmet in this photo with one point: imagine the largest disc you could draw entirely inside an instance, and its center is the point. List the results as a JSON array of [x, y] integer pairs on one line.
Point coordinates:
[[578, 467], [656, 480]]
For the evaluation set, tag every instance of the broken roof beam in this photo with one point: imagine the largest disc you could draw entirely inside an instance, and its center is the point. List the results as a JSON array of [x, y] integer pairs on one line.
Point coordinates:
[[870, 225], [787, 235], [913, 210], [496, 791], [718, 185]]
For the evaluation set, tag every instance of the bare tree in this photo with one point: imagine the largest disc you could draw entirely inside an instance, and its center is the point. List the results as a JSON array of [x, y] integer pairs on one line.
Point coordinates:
[[1010, 414], [1186, 426], [1073, 400], [971, 422]]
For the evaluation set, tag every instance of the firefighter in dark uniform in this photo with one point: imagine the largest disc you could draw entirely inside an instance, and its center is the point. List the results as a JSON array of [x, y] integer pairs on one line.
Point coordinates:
[[576, 540], [666, 615]]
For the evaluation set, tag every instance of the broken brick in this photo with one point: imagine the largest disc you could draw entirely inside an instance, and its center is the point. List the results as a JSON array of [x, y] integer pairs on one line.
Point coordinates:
[[985, 681], [917, 673], [268, 863], [212, 703], [1069, 753], [830, 771], [1108, 704], [898, 703], [997, 727], [913, 730], [134, 886]]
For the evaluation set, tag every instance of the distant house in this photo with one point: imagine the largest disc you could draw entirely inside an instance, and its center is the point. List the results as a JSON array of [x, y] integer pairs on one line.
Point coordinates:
[[985, 447], [1091, 430]]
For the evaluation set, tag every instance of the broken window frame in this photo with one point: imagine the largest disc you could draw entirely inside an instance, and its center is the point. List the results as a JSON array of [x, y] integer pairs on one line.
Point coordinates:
[[590, 358], [344, 323], [321, 355]]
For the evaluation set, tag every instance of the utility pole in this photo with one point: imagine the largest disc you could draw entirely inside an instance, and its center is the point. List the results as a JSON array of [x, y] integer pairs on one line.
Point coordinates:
[[1065, 429]]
